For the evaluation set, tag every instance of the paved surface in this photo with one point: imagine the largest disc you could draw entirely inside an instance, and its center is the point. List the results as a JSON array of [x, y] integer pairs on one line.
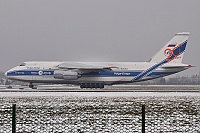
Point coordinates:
[[128, 88]]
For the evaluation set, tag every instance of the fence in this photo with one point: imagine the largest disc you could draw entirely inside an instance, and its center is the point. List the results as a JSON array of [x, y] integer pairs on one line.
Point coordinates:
[[92, 118]]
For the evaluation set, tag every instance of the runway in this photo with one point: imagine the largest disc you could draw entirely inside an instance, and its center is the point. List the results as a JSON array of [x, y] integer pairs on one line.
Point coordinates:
[[125, 88]]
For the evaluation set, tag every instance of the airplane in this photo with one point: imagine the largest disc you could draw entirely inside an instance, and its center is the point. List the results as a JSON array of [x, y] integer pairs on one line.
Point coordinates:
[[167, 61]]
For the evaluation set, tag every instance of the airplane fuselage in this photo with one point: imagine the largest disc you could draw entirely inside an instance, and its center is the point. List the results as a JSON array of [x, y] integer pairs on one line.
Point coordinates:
[[121, 72]]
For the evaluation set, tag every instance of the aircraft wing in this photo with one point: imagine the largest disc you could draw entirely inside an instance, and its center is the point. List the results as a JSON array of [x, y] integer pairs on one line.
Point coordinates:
[[81, 66]]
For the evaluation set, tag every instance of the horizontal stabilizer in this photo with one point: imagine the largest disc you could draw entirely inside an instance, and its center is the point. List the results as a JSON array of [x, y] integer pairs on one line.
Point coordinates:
[[177, 66]]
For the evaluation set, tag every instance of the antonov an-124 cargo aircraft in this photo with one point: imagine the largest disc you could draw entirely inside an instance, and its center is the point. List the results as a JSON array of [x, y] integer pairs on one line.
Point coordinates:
[[165, 62]]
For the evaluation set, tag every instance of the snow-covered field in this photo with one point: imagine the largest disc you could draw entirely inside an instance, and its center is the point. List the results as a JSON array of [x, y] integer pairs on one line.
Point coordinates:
[[90, 112]]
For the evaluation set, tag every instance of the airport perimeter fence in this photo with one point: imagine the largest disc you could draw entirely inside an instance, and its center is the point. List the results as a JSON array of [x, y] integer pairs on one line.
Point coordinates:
[[98, 119]]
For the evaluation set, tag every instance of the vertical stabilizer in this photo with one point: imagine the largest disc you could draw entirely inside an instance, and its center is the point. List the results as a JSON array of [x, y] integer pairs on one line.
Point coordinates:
[[173, 51]]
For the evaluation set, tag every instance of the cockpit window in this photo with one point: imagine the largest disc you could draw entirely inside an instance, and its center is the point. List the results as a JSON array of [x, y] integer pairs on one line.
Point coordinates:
[[23, 64]]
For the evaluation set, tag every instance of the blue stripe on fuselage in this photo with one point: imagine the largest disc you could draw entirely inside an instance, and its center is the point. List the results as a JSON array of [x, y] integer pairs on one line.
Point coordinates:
[[144, 73], [91, 74], [29, 72]]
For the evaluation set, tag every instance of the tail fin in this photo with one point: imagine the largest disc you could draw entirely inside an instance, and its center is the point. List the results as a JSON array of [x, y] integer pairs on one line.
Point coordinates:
[[173, 51]]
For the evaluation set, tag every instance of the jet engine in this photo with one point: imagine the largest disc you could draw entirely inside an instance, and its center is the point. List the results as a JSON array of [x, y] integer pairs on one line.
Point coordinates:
[[67, 75]]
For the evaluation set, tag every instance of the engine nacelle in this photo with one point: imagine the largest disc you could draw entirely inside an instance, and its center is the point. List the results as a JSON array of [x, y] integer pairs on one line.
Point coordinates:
[[70, 75], [67, 75], [58, 74]]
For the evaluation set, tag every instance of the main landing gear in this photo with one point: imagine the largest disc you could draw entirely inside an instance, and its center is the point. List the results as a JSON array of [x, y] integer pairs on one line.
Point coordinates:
[[92, 85]]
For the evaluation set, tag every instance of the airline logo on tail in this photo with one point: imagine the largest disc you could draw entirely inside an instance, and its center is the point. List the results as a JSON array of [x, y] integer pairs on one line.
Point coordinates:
[[174, 51], [169, 49]]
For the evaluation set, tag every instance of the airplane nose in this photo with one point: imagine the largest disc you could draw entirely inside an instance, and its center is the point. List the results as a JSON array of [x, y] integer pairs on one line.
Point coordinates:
[[6, 73], [10, 73]]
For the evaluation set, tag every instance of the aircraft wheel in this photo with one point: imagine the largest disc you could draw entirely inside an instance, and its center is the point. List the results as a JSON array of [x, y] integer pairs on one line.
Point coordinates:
[[101, 86], [31, 85], [97, 86], [92, 85], [81, 86]]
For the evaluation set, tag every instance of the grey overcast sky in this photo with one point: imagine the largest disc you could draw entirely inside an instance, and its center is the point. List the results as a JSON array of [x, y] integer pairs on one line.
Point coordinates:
[[95, 30]]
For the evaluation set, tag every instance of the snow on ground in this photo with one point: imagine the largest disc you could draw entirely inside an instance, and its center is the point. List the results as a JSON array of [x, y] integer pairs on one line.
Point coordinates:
[[111, 112], [97, 94]]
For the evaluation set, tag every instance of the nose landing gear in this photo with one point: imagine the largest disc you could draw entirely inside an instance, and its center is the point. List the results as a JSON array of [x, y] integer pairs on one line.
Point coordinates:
[[32, 86]]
